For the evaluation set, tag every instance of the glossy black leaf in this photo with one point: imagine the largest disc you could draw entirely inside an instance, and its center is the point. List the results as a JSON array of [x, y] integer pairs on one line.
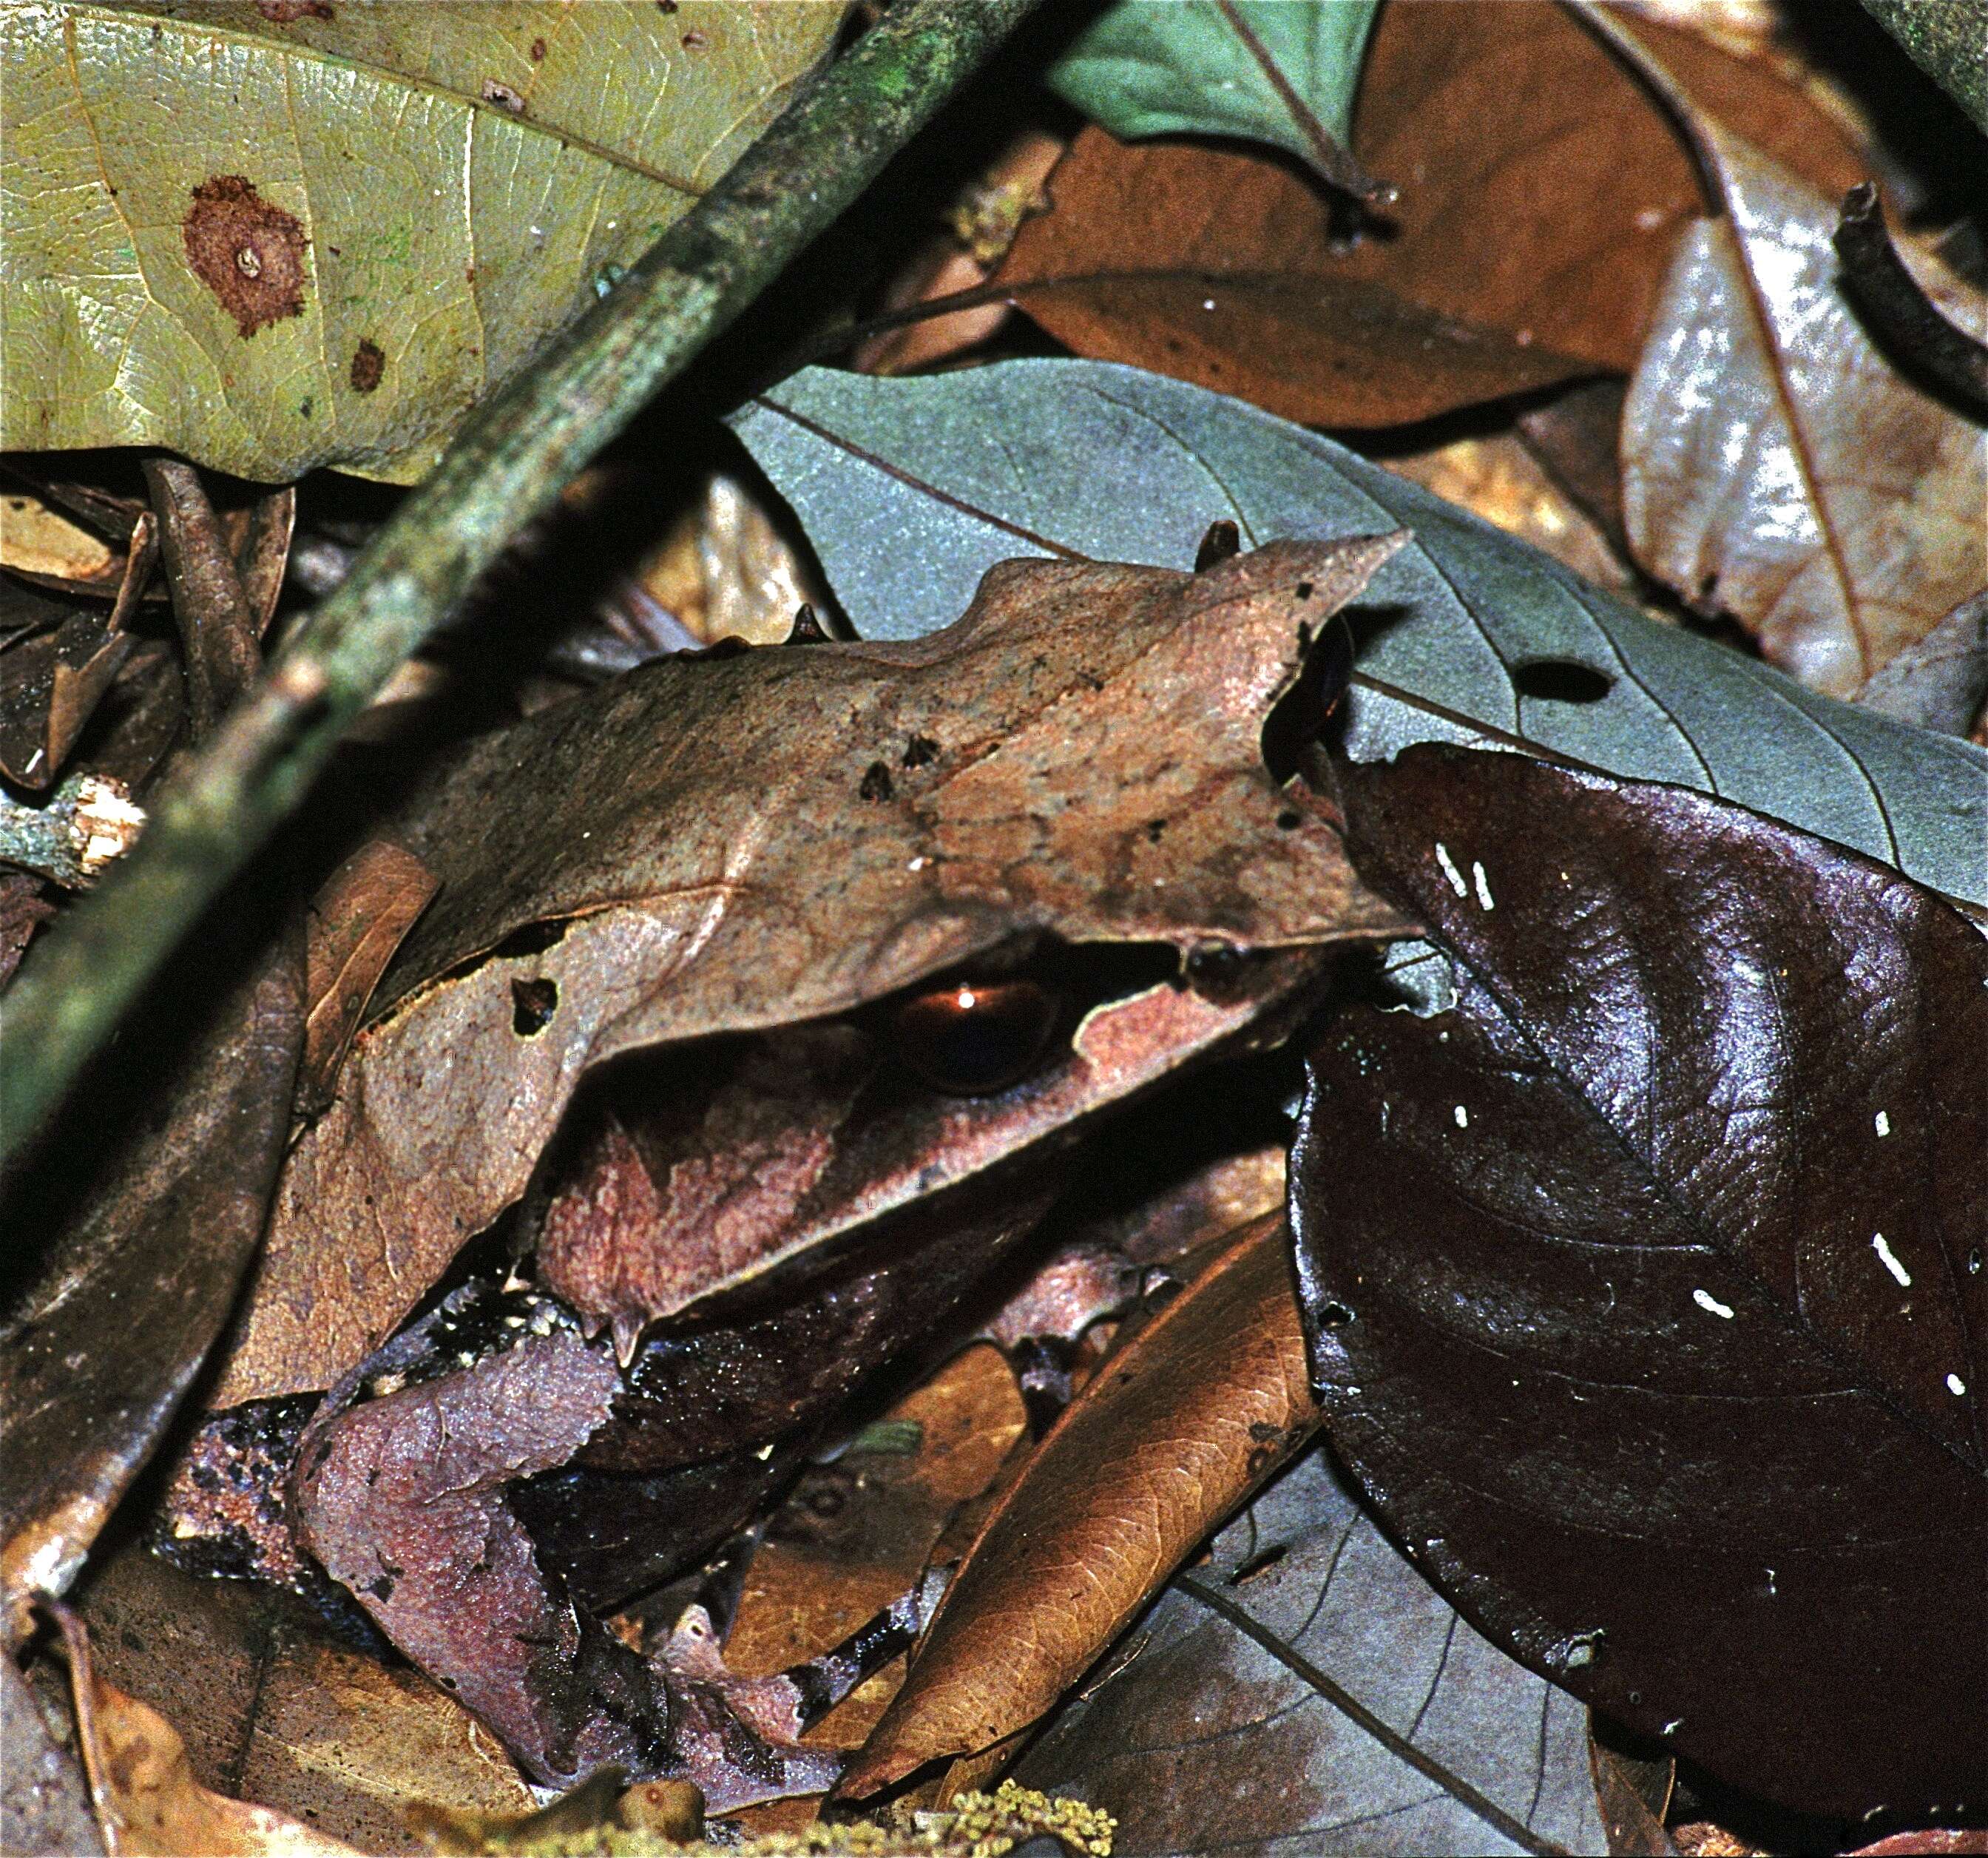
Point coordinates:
[[1661, 1325]]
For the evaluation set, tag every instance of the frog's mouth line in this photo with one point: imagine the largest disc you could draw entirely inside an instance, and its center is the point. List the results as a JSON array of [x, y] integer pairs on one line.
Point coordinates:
[[687, 1175]]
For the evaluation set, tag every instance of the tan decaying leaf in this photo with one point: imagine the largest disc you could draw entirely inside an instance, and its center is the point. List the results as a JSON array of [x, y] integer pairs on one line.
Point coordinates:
[[148, 1803], [1497, 477], [276, 235], [356, 922], [38, 540], [725, 571], [271, 1709], [1776, 465], [1179, 1425], [609, 883]]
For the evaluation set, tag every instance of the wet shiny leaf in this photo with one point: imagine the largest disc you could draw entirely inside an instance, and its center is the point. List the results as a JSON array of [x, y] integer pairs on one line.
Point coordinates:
[[1776, 464], [1645, 1287]]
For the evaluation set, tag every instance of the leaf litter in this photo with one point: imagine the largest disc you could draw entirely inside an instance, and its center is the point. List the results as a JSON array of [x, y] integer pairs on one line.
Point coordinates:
[[1268, 1659]]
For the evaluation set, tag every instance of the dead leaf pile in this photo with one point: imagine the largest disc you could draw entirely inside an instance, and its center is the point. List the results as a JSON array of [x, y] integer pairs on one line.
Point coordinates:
[[1171, 1039]]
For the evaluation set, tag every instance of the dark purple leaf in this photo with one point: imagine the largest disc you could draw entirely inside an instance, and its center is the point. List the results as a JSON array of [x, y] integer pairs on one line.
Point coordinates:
[[1646, 1284]]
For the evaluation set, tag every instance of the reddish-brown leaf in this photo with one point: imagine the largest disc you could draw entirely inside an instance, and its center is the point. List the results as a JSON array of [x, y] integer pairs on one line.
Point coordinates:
[[1541, 189], [1177, 1428], [1217, 267]]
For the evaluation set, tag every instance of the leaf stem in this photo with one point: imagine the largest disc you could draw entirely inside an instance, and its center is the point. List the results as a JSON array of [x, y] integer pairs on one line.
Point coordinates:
[[509, 463], [1897, 303]]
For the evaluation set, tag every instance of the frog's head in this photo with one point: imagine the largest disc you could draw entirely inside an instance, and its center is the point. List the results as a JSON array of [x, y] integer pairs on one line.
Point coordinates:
[[904, 911]]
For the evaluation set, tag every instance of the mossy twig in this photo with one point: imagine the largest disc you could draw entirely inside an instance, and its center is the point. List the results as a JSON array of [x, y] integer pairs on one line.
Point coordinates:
[[509, 463]]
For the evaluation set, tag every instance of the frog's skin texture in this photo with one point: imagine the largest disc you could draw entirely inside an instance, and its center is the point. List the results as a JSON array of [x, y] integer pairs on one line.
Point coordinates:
[[1083, 792], [781, 838]]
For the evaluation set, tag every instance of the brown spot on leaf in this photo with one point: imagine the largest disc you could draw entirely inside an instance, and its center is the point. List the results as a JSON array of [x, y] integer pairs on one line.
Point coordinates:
[[695, 40], [248, 252], [283, 12], [538, 51], [368, 364]]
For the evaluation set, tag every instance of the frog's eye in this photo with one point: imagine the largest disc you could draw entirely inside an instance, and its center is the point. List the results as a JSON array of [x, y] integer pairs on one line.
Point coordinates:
[[968, 1038]]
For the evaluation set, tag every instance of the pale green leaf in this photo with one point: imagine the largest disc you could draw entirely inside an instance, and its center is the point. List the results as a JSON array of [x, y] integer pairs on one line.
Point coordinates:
[[393, 201], [910, 489], [1175, 67]]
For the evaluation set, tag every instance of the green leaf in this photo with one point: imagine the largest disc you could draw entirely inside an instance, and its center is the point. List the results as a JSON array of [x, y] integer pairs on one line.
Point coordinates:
[[1266, 70], [910, 489], [276, 236]]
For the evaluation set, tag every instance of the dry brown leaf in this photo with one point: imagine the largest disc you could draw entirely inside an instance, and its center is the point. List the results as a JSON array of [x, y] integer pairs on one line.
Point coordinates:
[[148, 1236], [1177, 1428], [356, 922], [1496, 123], [858, 1532], [1216, 265], [272, 1709], [1776, 466], [920, 796], [148, 1802]]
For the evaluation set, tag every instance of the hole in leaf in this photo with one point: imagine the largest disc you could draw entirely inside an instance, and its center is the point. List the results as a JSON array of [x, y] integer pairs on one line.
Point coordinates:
[[533, 1003], [533, 939], [1335, 1315], [1561, 680]]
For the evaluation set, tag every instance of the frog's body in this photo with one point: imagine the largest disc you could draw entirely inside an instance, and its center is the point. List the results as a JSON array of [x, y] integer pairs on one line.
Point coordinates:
[[727, 1272]]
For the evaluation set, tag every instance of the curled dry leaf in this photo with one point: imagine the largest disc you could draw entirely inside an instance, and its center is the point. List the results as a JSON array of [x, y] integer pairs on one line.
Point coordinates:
[[1776, 465], [1306, 1690], [358, 920], [1178, 1426], [148, 1250], [53, 681], [1645, 1287], [599, 895]]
